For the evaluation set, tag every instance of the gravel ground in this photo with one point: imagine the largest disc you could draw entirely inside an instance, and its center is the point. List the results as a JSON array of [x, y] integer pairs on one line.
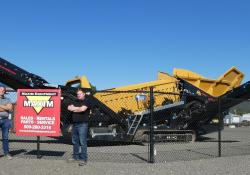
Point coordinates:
[[171, 158], [235, 141], [225, 165]]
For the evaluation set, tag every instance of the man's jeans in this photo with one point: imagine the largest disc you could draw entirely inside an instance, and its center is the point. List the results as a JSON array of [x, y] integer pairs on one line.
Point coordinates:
[[79, 140], [5, 125]]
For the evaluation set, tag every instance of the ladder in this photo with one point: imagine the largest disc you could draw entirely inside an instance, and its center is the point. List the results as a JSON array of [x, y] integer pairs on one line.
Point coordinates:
[[133, 127]]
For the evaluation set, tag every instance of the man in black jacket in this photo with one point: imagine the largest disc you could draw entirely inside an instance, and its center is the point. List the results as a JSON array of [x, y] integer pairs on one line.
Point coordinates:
[[80, 114]]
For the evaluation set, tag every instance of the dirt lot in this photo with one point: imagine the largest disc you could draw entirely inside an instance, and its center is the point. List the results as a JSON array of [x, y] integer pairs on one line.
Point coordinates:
[[171, 158], [235, 141]]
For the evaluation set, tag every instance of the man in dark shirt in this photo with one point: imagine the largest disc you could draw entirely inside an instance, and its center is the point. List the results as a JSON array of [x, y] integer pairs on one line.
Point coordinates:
[[80, 113]]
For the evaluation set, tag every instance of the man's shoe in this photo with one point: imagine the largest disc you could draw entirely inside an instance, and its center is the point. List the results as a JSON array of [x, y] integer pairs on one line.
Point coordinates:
[[72, 160], [8, 156], [82, 163]]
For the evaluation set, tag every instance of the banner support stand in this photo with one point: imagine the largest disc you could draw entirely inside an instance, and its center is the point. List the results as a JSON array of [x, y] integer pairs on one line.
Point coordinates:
[[38, 155]]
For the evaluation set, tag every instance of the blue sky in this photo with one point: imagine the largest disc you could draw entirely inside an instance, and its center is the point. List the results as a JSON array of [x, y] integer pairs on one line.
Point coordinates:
[[121, 42]]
